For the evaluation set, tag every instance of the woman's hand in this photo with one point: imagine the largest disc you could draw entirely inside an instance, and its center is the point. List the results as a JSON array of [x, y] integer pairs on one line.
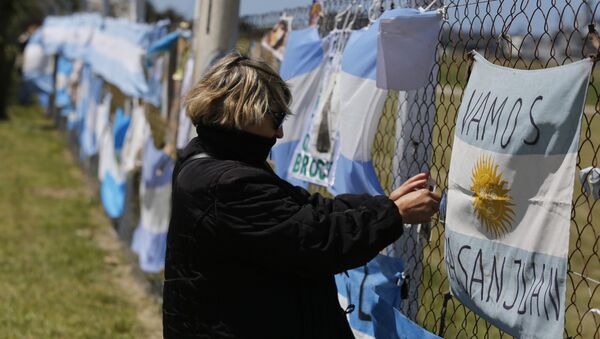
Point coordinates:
[[417, 182], [415, 202]]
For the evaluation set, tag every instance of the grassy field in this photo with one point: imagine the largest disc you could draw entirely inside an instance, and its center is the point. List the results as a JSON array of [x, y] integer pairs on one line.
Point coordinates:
[[56, 280]]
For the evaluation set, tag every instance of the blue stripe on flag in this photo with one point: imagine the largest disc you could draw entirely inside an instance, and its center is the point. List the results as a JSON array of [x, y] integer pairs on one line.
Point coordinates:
[[112, 193], [354, 176], [150, 247], [303, 53], [500, 289]]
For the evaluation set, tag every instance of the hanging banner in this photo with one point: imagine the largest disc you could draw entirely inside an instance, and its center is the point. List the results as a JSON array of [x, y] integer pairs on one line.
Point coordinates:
[[94, 123], [37, 66], [70, 35], [510, 191], [361, 104], [150, 236], [116, 51], [314, 154], [301, 68], [374, 292], [112, 178], [378, 290]]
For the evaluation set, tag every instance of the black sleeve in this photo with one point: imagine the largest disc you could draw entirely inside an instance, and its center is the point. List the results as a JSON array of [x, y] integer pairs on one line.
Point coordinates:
[[261, 222], [340, 203]]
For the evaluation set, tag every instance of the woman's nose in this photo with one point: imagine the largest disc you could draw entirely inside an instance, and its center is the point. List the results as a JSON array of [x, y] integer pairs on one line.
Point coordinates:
[[279, 132]]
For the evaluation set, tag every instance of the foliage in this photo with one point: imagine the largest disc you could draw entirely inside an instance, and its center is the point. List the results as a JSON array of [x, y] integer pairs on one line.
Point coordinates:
[[16, 16]]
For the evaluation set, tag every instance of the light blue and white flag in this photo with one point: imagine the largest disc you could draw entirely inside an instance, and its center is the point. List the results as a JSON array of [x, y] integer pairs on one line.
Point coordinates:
[[116, 52], [70, 36], [95, 121], [120, 127], [510, 194], [63, 101], [156, 81], [150, 236], [37, 67], [112, 178], [301, 68], [362, 104], [371, 295], [87, 113]]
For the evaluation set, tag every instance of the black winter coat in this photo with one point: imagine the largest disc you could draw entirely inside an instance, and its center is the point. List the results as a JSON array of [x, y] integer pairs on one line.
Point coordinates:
[[251, 256]]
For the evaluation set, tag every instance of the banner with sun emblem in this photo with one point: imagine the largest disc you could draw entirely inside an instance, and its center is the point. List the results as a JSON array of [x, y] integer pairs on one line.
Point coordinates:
[[510, 194]]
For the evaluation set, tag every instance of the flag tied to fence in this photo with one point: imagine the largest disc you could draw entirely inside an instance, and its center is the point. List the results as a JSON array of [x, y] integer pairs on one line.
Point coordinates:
[[510, 194]]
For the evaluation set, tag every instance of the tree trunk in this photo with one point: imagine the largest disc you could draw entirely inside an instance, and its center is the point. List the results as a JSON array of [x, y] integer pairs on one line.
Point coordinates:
[[6, 61]]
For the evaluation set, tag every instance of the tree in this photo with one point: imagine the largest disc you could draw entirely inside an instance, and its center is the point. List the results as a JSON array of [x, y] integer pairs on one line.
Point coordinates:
[[16, 16]]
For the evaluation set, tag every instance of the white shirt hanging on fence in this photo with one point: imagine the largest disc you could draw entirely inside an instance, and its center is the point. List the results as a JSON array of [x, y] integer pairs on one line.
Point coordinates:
[[406, 49], [589, 178], [136, 135], [95, 119], [37, 67], [510, 194]]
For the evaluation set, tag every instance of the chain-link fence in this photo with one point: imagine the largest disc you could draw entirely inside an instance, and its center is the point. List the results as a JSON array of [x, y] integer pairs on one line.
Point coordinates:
[[519, 34]]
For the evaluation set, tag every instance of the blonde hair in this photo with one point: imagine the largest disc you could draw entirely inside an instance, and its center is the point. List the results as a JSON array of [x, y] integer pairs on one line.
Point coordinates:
[[236, 92]]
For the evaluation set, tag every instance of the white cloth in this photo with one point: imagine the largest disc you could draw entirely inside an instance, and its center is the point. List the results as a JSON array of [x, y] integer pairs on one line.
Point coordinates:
[[134, 139], [406, 49], [510, 189]]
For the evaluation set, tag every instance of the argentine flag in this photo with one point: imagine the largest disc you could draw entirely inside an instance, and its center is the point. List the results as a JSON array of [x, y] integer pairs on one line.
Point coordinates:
[[150, 236], [37, 67], [510, 191], [94, 123], [70, 35], [375, 288], [116, 51], [301, 68], [112, 178], [361, 106]]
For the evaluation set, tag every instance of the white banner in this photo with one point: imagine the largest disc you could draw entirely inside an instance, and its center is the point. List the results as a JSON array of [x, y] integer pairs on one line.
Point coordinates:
[[510, 194]]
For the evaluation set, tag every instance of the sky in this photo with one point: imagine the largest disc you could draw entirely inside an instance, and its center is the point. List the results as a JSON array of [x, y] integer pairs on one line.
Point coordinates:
[[518, 26], [186, 7]]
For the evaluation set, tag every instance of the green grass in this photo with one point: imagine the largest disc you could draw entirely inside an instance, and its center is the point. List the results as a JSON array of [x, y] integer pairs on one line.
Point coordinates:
[[54, 282]]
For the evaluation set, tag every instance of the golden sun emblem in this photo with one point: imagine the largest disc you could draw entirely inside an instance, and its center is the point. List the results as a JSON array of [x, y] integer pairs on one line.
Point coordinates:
[[492, 202]]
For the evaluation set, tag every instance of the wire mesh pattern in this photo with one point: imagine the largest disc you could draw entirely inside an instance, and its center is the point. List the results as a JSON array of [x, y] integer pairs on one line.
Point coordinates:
[[518, 34]]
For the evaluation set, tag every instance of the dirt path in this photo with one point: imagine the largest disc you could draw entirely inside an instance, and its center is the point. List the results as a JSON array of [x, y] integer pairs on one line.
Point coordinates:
[[128, 277], [125, 271]]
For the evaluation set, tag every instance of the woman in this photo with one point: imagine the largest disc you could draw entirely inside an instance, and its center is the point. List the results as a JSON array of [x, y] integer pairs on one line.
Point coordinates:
[[249, 255]]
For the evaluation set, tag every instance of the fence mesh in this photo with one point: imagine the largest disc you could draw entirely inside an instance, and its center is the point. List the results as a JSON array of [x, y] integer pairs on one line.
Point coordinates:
[[518, 34]]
